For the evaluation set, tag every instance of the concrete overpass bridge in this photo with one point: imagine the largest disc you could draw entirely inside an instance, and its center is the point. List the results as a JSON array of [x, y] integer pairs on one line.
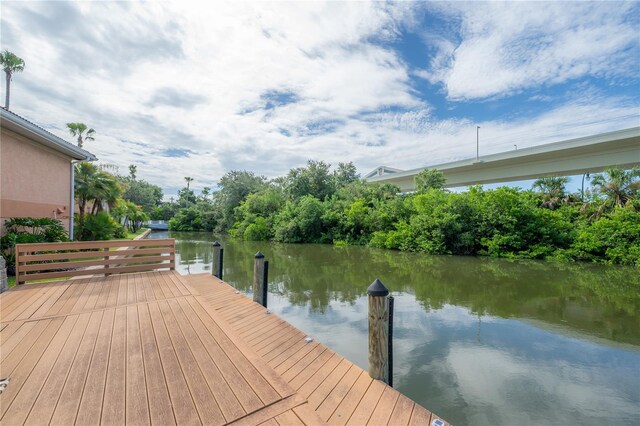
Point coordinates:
[[591, 154]]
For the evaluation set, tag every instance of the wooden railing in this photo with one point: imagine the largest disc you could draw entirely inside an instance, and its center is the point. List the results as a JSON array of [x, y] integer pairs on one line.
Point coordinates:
[[60, 260]]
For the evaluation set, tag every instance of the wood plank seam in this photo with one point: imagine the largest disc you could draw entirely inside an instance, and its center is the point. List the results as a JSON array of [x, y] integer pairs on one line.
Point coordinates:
[[90, 310]]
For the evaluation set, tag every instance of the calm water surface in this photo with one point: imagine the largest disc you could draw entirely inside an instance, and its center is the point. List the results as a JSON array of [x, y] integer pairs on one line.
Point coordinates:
[[478, 341]]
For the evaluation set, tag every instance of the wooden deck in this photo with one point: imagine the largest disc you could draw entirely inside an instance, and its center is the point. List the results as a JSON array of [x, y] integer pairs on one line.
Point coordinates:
[[161, 348], [339, 391]]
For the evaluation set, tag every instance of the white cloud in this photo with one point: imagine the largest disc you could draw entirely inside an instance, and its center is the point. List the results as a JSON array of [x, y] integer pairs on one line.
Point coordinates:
[[499, 385], [504, 50], [209, 66]]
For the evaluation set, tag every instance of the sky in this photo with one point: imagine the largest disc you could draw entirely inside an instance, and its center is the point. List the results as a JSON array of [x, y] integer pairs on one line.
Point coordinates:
[[199, 89]]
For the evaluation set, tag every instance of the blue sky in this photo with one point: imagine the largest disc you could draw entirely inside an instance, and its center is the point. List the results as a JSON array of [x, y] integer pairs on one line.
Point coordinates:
[[198, 89]]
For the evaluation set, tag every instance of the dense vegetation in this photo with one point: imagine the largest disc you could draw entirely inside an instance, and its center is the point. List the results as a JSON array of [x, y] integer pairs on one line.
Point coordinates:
[[313, 204], [28, 230], [110, 205]]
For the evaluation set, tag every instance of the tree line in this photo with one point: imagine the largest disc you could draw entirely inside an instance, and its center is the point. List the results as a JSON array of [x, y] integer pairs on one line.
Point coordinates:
[[315, 204]]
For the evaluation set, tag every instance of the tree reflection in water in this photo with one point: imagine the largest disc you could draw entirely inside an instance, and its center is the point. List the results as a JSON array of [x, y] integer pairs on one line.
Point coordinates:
[[477, 340], [594, 299]]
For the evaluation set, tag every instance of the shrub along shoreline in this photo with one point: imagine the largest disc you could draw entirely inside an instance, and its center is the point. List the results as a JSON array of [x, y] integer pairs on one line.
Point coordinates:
[[314, 205]]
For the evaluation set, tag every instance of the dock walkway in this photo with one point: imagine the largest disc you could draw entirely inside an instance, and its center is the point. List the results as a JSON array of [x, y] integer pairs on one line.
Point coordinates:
[[339, 391], [161, 348]]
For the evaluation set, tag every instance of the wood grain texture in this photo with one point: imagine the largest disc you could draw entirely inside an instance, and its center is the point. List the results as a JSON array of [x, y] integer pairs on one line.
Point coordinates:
[[333, 386], [92, 257], [159, 348]]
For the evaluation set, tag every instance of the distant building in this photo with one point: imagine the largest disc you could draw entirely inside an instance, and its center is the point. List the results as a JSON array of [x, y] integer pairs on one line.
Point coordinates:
[[36, 171]]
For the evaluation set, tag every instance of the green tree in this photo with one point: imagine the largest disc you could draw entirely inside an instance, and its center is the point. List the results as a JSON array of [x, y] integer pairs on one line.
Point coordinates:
[[429, 179], [164, 211], [135, 217], [133, 169], [188, 179], [234, 187], [314, 180], [345, 174], [301, 221], [94, 186], [186, 197], [81, 131], [256, 215], [107, 190], [142, 193], [11, 65], [619, 186], [206, 191], [553, 191], [187, 219], [614, 238]]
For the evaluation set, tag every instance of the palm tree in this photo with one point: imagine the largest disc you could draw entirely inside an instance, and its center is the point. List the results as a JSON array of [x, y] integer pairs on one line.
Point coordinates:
[[133, 169], [189, 180], [78, 130], [553, 190], [106, 190], [83, 190], [93, 185], [617, 185], [11, 64]]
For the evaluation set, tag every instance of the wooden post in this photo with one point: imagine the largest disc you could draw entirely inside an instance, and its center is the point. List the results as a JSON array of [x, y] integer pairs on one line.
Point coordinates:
[[216, 266], [378, 331], [4, 283], [106, 265], [260, 279], [391, 301], [20, 276]]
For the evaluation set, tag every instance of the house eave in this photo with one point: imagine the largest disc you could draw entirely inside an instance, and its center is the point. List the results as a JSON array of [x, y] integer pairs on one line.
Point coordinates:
[[23, 127]]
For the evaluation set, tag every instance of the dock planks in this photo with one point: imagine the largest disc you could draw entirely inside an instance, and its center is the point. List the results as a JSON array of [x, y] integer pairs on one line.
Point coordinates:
[[160, 348], [135, 349], [334, 388]]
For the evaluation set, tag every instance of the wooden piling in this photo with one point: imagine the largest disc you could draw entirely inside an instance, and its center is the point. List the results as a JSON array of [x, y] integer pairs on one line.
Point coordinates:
[[390, 350], [378, 331], [260, 279], [217, 262]]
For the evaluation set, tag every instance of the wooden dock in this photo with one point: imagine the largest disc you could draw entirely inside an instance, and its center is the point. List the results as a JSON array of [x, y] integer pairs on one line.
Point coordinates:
[[160, 348]]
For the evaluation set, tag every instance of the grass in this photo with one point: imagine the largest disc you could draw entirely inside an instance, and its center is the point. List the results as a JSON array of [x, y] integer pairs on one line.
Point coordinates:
[[131, 236], [11, 281]]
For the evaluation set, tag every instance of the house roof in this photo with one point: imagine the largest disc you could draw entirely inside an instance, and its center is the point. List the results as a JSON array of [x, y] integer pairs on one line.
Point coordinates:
[[12, 121]]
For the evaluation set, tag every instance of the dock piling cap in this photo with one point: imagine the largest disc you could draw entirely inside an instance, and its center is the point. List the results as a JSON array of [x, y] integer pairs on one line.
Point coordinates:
[[377, 289], [259, 255], [216, 244]]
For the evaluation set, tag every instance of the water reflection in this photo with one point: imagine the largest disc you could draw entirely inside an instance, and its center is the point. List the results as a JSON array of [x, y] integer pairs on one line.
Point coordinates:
[[476, 340]]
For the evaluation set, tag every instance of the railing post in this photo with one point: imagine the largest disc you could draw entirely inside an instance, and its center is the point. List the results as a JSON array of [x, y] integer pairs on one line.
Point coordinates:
[[18, 263], [378, 331], [260, 279], [172, 255], [4, 283], [106, 258], [217, 262]]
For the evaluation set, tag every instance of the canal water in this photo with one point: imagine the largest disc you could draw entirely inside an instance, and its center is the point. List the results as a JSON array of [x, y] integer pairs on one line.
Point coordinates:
[[478, 341]]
